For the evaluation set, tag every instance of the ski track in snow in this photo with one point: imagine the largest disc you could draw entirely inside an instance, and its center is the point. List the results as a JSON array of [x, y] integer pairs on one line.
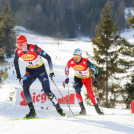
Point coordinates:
[[115, 121]]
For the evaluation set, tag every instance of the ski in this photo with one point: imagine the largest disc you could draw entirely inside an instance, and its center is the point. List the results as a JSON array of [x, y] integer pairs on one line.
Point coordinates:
[[27, 118], [36, 118], [77, 115], [81, 115]]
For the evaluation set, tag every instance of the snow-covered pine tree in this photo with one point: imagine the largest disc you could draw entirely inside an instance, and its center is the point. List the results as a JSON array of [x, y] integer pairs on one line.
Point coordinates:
[[111, 53], [7, 35], [129, 90]]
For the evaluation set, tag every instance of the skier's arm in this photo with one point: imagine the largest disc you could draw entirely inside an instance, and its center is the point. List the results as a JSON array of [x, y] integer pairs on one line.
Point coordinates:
[[16, 64], [67, 73], [42, 53], [67, 69], [89, 64]]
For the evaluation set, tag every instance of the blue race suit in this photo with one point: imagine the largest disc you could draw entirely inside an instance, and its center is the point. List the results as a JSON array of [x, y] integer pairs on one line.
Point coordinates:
[[35, 68]]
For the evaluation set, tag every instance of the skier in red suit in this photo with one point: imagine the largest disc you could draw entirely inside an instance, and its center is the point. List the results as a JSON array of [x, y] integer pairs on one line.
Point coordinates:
[[82, 76]]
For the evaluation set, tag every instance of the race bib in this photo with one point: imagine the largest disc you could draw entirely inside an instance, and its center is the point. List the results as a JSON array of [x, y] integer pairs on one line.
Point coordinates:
[[82, 74], [35, 63]]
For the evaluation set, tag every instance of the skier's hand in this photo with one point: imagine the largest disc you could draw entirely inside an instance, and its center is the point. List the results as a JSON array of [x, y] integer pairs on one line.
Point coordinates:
[[51, 75], [95, 83], [67, 80], [20, 81]]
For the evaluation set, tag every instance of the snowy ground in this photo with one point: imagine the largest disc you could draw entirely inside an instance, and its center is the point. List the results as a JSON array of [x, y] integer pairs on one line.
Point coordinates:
[[115, 121], [121, 122]]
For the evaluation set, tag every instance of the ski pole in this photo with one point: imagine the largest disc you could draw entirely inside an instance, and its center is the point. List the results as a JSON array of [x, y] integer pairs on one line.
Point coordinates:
[[68, 91], [68, 95], [64, 85], [62, 96]]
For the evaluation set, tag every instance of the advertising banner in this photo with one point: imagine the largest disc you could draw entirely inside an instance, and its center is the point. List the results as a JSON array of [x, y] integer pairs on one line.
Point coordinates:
[[40, 99]]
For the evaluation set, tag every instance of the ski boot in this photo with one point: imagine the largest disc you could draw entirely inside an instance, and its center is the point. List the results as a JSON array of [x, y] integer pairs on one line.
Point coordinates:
[[83, 110], [56, 104], [59, 110], [98, 110], [32, 113]]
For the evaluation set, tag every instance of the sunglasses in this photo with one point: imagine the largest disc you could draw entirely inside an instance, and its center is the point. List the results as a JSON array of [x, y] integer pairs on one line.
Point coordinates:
[[20, 44], [76, 56]]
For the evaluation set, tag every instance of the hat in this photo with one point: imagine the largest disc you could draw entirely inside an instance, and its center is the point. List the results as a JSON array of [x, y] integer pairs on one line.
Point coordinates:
[[77, 51], [21, 39]]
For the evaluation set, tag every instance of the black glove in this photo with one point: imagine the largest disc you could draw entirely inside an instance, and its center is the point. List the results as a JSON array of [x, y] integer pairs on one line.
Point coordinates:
[[51, 75], [95, 84], [67, 80], [20, 80]]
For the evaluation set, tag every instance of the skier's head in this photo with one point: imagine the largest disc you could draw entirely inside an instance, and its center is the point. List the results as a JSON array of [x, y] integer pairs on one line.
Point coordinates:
[[77, 51], [21, 43], [77, 54]]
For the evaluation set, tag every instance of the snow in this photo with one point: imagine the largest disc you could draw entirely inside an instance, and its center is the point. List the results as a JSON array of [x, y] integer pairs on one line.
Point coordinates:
[[121, 122], [128, 34], [115, 121], [128, 12]]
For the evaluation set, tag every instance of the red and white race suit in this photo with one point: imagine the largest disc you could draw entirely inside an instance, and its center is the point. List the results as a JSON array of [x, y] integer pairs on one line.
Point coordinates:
[[82, 76]]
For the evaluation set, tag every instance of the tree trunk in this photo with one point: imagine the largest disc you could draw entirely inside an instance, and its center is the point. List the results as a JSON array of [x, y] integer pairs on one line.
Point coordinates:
[[107, 102], [106, 84]]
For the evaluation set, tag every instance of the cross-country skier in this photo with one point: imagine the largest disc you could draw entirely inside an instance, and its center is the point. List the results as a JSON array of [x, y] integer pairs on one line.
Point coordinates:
[[35, 68], [82, 76]]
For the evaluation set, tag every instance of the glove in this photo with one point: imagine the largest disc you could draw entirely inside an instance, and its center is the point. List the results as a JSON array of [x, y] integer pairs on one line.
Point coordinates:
[[51, 75], [20, 80], [63, 84], [67, 80], [95, 84]]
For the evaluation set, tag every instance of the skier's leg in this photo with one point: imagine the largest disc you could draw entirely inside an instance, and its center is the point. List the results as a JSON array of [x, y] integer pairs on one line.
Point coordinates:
[[78, 86], [43, 77], [27, 81], [88, 84]]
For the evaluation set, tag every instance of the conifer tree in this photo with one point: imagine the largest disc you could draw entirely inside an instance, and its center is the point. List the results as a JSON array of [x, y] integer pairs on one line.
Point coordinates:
[[129, 90], [7, 36], [129, 87], [110, 51]]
